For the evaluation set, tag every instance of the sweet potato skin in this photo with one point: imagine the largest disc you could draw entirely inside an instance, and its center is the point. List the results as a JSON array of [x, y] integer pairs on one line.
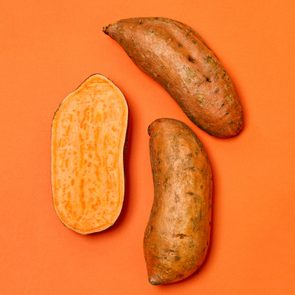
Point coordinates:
[[178, 232], [176, 56]]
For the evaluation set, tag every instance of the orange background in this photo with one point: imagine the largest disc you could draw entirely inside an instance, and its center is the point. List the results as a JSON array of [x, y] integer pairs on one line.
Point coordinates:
[[47, 49]]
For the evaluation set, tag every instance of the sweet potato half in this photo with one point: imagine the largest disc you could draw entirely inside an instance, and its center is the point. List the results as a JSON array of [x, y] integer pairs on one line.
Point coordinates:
[[88, 136], [178, 232], [174, 55]]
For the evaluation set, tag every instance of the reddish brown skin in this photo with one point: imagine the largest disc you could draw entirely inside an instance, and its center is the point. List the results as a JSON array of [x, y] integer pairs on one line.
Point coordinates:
[[178, 232], [176, 56]]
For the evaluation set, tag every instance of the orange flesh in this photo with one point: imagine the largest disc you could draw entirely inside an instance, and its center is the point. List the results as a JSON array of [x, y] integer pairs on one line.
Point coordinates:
[[88, 136]]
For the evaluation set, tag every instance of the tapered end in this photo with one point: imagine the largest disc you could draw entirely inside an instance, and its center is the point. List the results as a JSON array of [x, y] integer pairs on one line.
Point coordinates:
[[105, 29], [154, 280]]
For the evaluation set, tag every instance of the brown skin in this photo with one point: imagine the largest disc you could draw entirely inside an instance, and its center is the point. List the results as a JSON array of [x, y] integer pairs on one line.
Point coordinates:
[[176, 56], [178, 232]]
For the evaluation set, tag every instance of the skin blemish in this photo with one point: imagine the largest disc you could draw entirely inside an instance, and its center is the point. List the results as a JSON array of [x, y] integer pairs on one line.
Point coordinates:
[[180, 45], [180, 236], [229, 98], [190, 193], [209, 60], [149, 230], [191, 168], [200, 98], [165, 182], [177, 258], [176, 198], [191, 59]]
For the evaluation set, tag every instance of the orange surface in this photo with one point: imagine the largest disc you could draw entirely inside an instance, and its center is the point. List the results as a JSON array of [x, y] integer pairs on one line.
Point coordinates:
[[87, 156], [47, 49]]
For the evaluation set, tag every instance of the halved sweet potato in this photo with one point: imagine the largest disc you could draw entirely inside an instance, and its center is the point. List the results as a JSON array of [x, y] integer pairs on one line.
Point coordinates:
[[88, 136]]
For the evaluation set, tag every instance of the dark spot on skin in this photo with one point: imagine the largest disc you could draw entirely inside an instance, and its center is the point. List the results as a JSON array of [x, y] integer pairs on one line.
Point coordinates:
[[224, 75], [140, 22], [208, 79], [149, 230], [195, 41], [176, 198], [105, 29], [227, 113], [190, 193], [209, 59], [176, 258], [191, 168], [201, 186], [180, 45], [180, 236], [191, 59], [216, 90], [165, 181]]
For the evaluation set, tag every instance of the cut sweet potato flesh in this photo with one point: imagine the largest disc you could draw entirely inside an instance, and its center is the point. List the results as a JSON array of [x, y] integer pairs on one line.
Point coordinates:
[[88, 136]]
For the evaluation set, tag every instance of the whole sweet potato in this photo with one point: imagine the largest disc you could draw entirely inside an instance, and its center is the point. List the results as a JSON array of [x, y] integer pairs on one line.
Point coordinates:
[[178, 232], [178, 58], [88, 136]]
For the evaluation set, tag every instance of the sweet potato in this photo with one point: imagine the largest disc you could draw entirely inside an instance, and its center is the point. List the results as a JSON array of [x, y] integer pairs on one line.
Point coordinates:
[[177, 57], [178, 232], [88, 136]]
